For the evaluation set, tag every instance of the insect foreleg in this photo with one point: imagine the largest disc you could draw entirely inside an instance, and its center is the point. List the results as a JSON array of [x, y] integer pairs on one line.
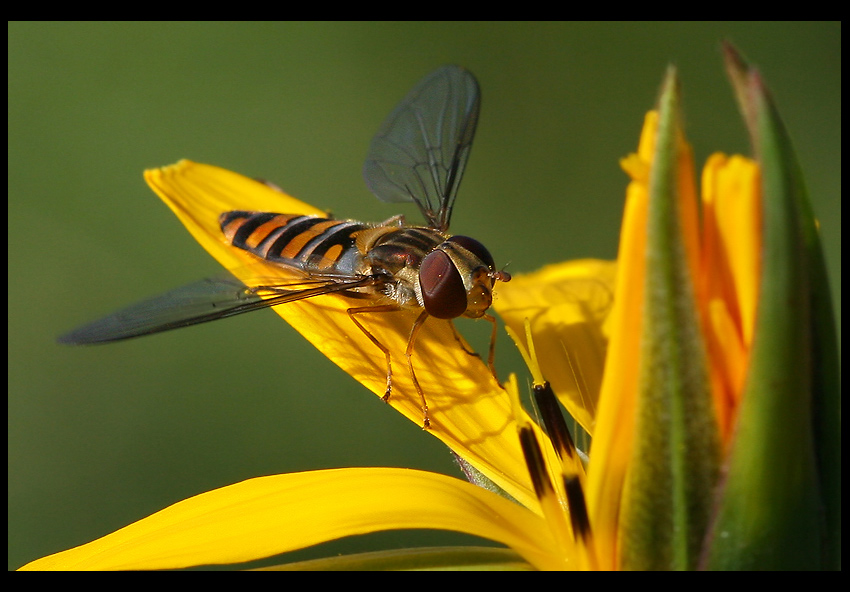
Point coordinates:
[[491, 356], [460, 342], [492, 350]]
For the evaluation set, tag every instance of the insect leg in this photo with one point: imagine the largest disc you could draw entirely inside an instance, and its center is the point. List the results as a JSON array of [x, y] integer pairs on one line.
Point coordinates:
[[411, 341], [492, 351], [460, 342], [373, 339], [491, 356]]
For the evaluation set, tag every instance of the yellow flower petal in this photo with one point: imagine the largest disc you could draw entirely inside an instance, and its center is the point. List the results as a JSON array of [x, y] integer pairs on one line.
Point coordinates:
[[469, 410], [732, 242], [567, 305], [615, 416], [266, 516]]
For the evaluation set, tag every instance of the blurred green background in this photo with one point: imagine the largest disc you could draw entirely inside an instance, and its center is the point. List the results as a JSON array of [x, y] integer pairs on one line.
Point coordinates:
[[102, 436]]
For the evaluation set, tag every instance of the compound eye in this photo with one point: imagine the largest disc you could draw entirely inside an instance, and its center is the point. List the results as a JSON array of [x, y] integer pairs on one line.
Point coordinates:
[[476, 248], [442, 287]]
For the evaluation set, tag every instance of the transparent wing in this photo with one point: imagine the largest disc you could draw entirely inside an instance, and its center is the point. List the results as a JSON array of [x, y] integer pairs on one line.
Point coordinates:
[[203, 301], [420, 151]]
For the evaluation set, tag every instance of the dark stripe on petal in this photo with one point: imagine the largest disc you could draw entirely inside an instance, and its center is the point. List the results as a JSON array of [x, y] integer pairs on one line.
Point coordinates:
[[578, 507], [553, 420], [536, 465]]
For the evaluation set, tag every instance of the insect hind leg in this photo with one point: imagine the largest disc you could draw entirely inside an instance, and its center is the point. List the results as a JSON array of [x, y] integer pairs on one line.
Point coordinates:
[[408, 352], [379, 308]]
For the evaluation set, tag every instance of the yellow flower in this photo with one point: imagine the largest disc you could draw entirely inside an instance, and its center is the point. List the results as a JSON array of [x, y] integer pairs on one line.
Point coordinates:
[[271, 515], [703, 365], [716, 438]]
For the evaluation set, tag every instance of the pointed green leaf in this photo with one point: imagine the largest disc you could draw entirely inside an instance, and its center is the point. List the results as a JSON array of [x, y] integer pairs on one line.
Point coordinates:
[[771, 511], [676, 451]]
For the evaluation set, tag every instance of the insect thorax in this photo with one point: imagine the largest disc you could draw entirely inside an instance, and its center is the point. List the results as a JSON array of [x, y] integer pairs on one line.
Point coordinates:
[[398, 252]]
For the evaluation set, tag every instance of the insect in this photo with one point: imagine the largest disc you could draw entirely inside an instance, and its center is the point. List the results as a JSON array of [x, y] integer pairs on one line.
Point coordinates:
[[418, 155]]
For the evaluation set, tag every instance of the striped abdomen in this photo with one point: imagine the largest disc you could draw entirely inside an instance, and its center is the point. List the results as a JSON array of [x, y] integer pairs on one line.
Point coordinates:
[[308, 242]]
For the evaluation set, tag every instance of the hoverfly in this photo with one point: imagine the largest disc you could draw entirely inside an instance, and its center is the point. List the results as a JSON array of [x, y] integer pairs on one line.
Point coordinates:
[[418, 155]]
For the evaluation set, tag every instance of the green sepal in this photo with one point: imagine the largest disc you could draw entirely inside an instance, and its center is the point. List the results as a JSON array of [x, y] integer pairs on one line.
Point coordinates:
[[779, 504], [668, 494]]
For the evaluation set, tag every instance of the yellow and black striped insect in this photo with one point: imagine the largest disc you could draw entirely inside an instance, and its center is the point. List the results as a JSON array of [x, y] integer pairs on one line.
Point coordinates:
[[418, 155]]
